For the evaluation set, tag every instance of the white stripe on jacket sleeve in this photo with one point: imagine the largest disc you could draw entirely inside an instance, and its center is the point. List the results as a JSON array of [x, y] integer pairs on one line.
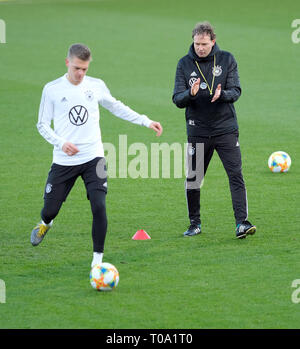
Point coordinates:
[[44, 121]]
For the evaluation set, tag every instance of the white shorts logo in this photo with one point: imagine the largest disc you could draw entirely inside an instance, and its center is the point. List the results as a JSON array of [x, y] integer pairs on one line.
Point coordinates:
[[48, 188], [191, 150]]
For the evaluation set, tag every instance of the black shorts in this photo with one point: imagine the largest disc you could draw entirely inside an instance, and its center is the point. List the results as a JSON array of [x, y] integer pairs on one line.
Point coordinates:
[[61, 178]]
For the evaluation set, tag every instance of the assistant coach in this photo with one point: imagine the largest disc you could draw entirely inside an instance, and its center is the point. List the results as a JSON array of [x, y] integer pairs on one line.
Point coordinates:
[[206, 85]]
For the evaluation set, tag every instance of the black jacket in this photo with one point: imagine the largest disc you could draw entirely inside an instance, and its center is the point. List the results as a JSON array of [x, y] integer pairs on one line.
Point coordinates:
[[204, 118]]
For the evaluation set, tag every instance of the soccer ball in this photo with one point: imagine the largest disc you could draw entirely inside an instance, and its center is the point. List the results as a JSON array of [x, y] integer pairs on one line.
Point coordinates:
[[104, 277], [279, 161]]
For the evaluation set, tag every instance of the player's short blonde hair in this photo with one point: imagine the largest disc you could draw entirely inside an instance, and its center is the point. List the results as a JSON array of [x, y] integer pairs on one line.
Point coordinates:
[[80, 51]]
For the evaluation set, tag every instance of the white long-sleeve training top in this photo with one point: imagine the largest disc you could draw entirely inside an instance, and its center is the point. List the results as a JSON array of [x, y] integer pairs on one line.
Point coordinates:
[[74, 110]]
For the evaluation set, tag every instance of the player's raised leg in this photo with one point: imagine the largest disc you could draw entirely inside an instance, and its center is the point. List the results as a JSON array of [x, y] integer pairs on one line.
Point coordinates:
[[48, 213], [38, 233]]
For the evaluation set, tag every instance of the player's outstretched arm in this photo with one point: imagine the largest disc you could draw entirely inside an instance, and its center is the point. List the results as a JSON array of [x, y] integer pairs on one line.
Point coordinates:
[[156, 126]]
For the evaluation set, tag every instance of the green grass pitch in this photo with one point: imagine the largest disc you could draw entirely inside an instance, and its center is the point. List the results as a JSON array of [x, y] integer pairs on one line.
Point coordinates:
[[209, 281]]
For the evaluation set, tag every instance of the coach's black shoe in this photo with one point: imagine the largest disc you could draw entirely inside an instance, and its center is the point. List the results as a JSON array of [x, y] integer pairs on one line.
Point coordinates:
[[194, 229], [244, 229]]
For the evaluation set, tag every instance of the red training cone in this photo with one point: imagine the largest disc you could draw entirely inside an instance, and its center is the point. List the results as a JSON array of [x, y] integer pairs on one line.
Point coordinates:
[[141, 235]]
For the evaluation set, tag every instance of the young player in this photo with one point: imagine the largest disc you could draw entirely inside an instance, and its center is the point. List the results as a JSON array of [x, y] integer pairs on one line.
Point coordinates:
[[72, 103]]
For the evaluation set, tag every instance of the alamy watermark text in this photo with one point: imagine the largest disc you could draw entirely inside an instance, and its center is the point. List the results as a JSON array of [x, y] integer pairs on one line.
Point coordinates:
[[159, 160], [296, 32], [2, 32], [2, 292]]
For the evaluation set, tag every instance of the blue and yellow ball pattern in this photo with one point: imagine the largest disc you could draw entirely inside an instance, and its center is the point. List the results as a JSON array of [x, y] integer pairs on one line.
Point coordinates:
[[279, 161], [104, 277]]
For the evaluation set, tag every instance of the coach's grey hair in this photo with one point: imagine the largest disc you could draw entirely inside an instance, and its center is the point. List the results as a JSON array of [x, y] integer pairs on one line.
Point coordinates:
[[80, 51], [203, 28]]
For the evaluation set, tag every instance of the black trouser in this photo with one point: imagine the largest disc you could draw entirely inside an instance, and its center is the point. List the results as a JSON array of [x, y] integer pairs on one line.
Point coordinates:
[[228, 149], [60, 181]]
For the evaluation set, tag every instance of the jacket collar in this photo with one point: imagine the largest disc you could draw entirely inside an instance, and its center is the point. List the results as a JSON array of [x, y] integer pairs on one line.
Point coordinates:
[[195, 57]]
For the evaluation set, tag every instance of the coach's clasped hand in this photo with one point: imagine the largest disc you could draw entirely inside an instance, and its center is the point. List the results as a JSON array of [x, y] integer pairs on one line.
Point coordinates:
[[217, 93]]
